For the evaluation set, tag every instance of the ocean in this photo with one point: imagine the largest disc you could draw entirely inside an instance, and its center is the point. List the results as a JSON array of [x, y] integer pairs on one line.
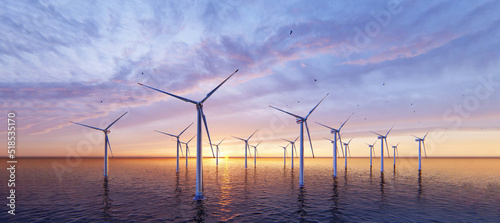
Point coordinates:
[[149, 190]]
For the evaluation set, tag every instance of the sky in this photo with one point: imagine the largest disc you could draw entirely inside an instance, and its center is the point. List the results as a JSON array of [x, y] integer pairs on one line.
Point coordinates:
[[420, 66]]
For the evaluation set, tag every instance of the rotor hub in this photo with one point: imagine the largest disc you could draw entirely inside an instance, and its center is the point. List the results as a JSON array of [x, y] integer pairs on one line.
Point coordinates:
[[299, 121]]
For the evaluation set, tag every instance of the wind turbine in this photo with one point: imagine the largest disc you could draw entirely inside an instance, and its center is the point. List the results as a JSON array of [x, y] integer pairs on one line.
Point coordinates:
[[255, 153], [335, 132], [247, 148], [346, 147], [187, 149], [421, 141], [217, 151], [293, 147], [301, 120], [371, 150], [382, 139], [178, 142], [201, 115], [106, 142], [395, 148], [284, 154]]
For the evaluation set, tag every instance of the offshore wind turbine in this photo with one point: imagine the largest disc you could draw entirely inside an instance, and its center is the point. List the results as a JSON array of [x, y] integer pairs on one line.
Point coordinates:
[[201, 116], [293, 147], [247, 148], [301, 120], [284, 154], [421, 141], [395, 148], [255, 153], [217, 151], [371, 150], [106, 142], [178, 142], [382, 139], [346, 148], [187, 149], [336, 132]]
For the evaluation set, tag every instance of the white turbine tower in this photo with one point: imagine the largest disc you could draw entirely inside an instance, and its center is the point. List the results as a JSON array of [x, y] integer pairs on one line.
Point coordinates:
[[396, 152], [421, 141], [293, 147], [187, 149], [346, 148], [382, 139], [201, 115], [217, 152], [301, 120], [284, 154], [178, 142], [371, 150], [335, 132], [255, 153], [247, 148], [106, 142]]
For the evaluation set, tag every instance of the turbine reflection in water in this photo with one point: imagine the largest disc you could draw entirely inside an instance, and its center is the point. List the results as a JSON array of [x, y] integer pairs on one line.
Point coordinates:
[[106, 202]]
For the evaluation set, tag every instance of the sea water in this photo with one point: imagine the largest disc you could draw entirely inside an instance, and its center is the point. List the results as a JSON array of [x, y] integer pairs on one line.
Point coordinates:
[[150, 190]]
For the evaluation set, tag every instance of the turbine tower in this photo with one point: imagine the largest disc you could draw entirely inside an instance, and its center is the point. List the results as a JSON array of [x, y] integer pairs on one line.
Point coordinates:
[[106, 142], [187, 149], [371, 150], [255, 153], [346, 148], [178, 142], [336, 132], [217, 151], [293, 147], [302, 120], [247, 148], [421, 141], [201, 116], [284, 154], [382, 139], [395, 148]]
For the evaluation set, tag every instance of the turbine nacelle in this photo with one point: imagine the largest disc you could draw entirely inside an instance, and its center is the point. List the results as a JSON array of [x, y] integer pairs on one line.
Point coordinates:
[[299, 120], [381, 137]]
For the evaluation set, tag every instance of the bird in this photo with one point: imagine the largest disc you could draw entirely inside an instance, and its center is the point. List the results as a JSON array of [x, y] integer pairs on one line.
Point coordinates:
[[142, 73], [101, 101], [291, 32], [411, 103], [358, 105], [383, 84], [315, 80], [298, 101]]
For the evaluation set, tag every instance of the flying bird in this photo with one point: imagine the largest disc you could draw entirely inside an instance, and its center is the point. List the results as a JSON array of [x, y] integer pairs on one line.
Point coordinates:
[[101, 101], [142, 73], [315, 80], [383, 84], [291, 32]]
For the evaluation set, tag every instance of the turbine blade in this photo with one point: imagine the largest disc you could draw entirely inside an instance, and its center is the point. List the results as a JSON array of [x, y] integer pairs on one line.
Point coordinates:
[[186, 129], [166, 133], [341, 145], [115, 121], [173, 95], [294, 115], [252, 134], [374, 143], [345, 121], [415, 136], [375, 133], [221, 141], [387, 147], [88, 126], [425, 152], [190, 139], [349, 141], [109, 145], [397, 145], [325, 126], [328, 139], [309, 137], [349, 151], [238, 138], [397, 151], [208, 133], [286, 140], [187, 148], [215, 89], [390, 130], [316, 105], [180, 148], [425, 135], [296, 139], [258, 144]]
